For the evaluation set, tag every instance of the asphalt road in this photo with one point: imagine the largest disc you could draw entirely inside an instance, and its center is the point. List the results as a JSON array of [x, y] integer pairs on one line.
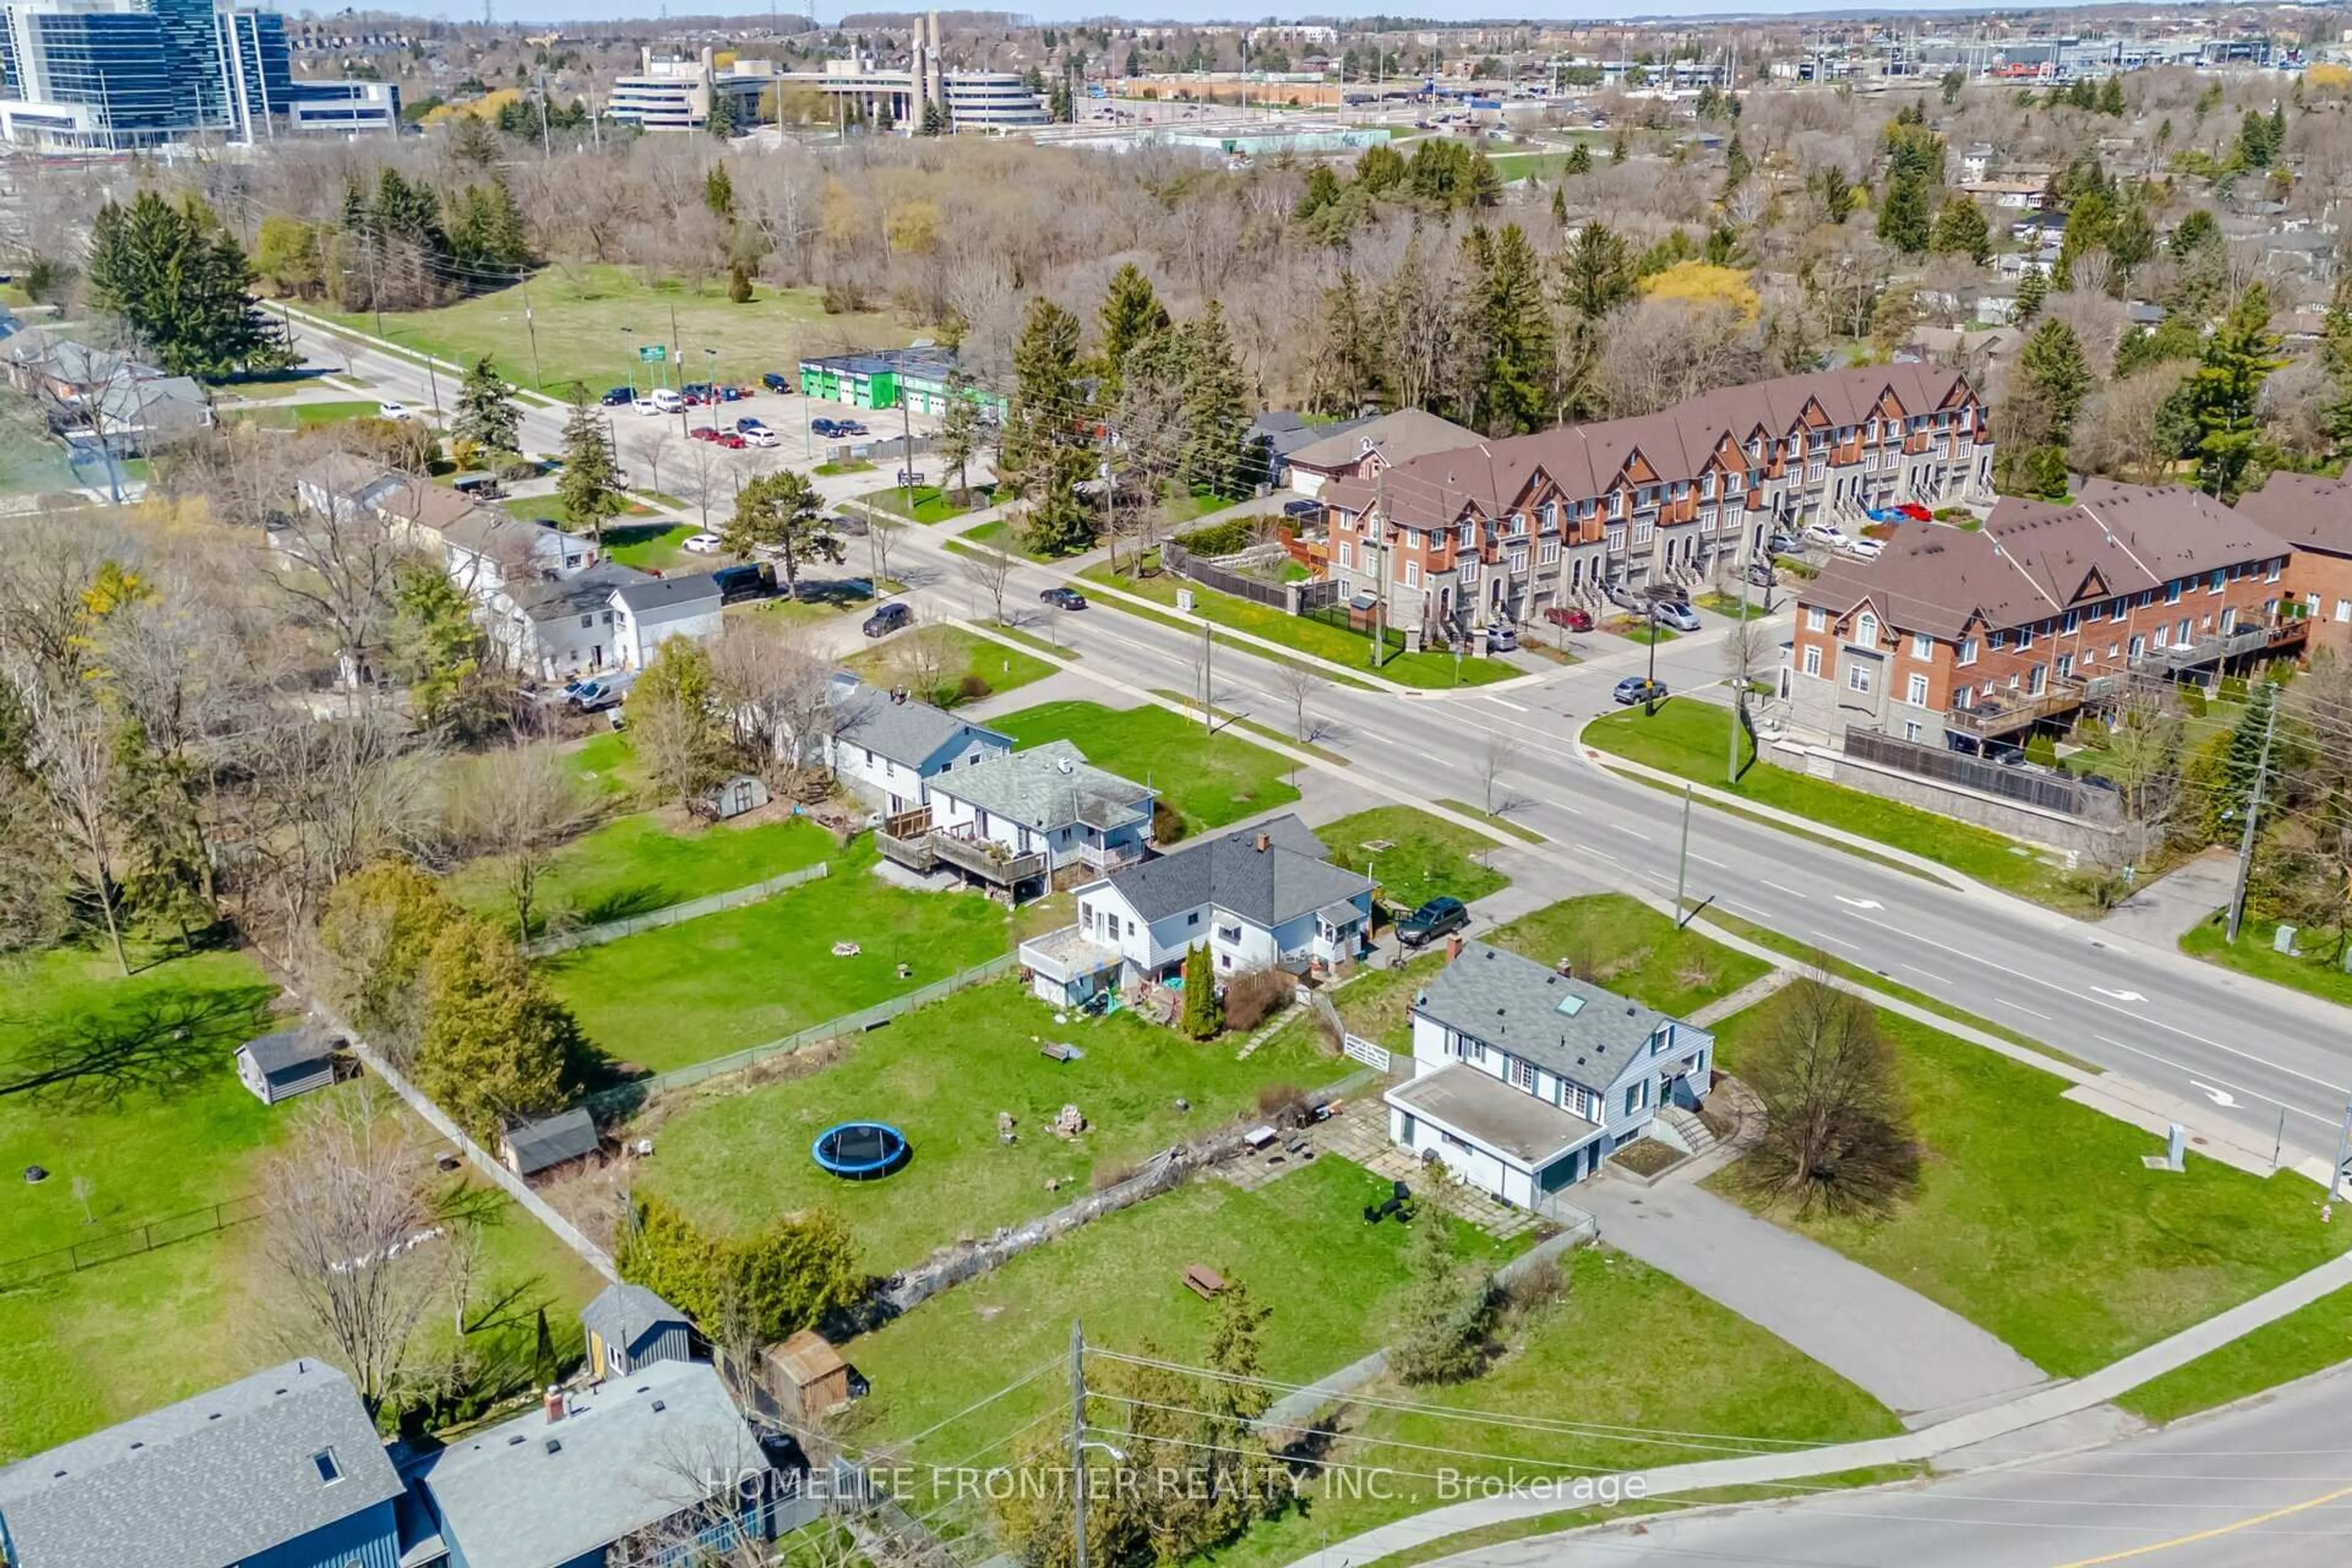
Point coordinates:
[[2267, 1487], [2275, 1063]]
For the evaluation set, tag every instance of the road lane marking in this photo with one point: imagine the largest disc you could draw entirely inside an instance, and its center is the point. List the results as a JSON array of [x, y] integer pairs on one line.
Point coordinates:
[[1501, 703], [1824, 936], [2153, 1547], [1704, 861], [1915, 969], [2220, 1097], [1860, 903], [2022, 1007], [2119, 995], [1767, 881], [2235, 1087], [1631, 833]]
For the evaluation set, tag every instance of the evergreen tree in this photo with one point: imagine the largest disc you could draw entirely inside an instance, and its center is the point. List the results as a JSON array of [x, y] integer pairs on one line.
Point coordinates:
[[590, 485], [1348, 370], [2052, 369], [719, 192], [935, 119], [1595, 276], [782, 516], [180, 282], [496, 1046], [1835, 191], [1737, 166], [2255, 148], [2225, 388], [1216, 405], [1962, 230], [1950, 86], [2110, 98], [2032, 289], [486, 416], [1380, 169], [1903, 220], [1322, 189], [2197, 231], [1204, 1015], [1509, 331], [1130, 312], [1047, 404], [1580, 159], [486, 229], [958, 434]]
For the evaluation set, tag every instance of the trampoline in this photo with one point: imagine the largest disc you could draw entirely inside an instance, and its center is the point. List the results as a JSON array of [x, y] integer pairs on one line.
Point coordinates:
[[860, 1151]]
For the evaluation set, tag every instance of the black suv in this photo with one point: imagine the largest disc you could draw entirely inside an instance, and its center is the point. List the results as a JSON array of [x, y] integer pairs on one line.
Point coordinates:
[[888, 619], [1437, 917]]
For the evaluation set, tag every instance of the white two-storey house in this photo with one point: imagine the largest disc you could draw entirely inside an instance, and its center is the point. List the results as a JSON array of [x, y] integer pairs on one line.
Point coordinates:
[[1525, 1078]]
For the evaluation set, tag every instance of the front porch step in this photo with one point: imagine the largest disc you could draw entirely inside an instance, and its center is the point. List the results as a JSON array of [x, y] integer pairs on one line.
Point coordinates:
[[1695, 1133]]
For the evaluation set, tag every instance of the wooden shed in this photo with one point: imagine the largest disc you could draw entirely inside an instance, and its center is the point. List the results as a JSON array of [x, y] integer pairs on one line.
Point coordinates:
[[736, 794], [558, 1140], [808, 1375], [281, 1065]]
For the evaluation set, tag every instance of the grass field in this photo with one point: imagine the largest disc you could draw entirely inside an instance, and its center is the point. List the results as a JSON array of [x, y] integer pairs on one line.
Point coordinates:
[[941, 1075], [1208, 780], [1427, 856], [1690, 738], [996, 530], [2309, 1339], [655, 546], [705, 987], [589, 322], [304, 416], [644, 862], [2253, 954], [1621, 943], [1623, 1346], [970, 667], [2036, 1220], [1316, 639], [1300, 1243], [931, 503]]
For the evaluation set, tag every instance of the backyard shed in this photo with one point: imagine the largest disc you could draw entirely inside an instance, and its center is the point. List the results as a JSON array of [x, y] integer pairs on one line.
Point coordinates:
[[734, 796], [628, 1326], [809, 1377], [536, 1146], [281, 1065]]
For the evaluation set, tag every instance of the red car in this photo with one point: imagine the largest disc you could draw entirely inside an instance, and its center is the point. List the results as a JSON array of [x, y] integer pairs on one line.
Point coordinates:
[[729, 439], [1916, 512], [1569, 616], [703, 433]]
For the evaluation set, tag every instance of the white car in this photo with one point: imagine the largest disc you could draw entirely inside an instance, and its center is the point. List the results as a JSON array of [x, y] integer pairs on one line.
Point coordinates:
[[666, 400], [394, 411], [702, 543], [1826, 533], [758, 437], [647, 406], [1864, 549]]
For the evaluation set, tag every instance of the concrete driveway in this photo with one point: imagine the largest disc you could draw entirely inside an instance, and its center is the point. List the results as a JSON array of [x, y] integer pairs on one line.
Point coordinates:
[[1912, 1355]]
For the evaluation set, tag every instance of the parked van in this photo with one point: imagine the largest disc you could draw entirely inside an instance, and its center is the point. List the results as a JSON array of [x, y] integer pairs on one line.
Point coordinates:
[[663, 398]]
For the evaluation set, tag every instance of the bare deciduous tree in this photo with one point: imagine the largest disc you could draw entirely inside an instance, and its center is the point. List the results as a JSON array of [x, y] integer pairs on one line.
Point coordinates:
[[1301, 684], [1837, 1134], [989, 567], [518, 806]]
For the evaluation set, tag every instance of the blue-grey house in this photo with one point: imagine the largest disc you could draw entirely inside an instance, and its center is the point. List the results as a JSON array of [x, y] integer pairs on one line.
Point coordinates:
[[281, 1469], [628, 1326]]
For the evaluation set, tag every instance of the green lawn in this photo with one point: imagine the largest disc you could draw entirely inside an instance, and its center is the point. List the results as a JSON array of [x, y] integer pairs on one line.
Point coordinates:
[[2309, 1339], [1208, 780], [579, 314], [723, 983], [1621, 943], [2318, 971], [846, 466], [2036, 1220], [606, 764], [971, 667], [1003, 534], [942, 1075], [304, 415], [1516, 828], [931, 503], [644, 862], [91, 1348], [1300, 1243], [655, 546], [1426, 857], [1624, 1346], [1317, 638], [1690, 738]]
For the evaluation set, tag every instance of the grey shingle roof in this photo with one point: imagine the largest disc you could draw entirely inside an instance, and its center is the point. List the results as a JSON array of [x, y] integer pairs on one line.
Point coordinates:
[[910, 733], [1289, 878], [622, 1312], [211, 1480], [1572, 1028], [1407, 434], [567, 1135], [532, 1493], [658, 599], [288, 1048], [1049, 787], [583, 592]]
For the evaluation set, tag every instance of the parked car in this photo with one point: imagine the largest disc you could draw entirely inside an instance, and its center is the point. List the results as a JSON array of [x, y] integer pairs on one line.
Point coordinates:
[[1437, 917], [825, 428], [909, 477], [1828, 534], [845, 523], [736, 583], [762, 436], [1305, 507], [1759, 572], [1913, 511], [1864, 549], [1064, 598], [890, 618], [848, 428], [774, 382], [647, 406], [729, 439], [731, 394], [747, 426], [704, 433], [1501, 636], [1674, 613], [618, 396], [1573, 616], [1639, 689], [701, 544], [666, 400], [394, 411], [1782, 543], [603, 692]]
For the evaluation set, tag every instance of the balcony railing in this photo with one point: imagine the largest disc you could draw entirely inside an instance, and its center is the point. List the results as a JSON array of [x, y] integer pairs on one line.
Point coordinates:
[[1111, 856], [2216, 649], [2015, 710], [987, 859]]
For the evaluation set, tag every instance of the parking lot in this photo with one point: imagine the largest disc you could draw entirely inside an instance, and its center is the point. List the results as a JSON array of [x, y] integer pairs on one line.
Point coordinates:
[[655, 448]]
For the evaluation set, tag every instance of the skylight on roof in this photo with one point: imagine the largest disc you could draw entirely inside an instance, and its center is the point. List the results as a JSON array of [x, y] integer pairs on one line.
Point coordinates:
[[1569, 1005]]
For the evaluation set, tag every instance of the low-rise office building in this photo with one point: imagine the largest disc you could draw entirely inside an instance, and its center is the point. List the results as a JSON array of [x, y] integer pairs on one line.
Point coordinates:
[[677, 93]]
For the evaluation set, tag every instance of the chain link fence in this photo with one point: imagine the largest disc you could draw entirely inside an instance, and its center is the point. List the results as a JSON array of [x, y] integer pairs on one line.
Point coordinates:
[[672, 914]]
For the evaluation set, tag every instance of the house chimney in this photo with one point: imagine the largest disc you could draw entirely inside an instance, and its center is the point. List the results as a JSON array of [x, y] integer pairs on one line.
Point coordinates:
[[1264, 842], [1452, 948], [553, 1403], [1567, 968]]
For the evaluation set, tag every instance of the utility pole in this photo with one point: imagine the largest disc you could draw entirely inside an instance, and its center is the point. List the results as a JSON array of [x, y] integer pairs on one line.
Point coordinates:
[[2253, 815], [1378, 542], [1208, 683], [1682, 855], [1078, 1442], [531, 325], [906, 455], [1740, 698], [677, 353], [2343, 1153]]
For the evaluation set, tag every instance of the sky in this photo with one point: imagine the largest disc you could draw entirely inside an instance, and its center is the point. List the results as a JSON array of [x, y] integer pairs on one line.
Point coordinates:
[[1176, 10]]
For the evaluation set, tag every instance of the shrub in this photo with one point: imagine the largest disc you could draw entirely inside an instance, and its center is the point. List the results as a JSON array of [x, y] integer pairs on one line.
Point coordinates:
[[1256, 994], [2041, 748], [1203, 1017], [972, 689], [2193, 701], [1167, 824], [2233, 689], [2094, 734], [1220, 539], [1285, 1105], [791, 1275]]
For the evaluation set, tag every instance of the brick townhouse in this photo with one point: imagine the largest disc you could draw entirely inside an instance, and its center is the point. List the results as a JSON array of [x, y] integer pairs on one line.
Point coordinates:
[[2314, 516], [1509, 527], [1957, 638]]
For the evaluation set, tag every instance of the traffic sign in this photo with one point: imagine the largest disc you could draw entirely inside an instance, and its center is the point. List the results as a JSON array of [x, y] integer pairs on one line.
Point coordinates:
[[652, 354]]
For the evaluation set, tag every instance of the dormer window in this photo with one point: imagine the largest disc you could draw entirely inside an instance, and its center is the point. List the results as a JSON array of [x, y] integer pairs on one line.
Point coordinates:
[[329, 1468]]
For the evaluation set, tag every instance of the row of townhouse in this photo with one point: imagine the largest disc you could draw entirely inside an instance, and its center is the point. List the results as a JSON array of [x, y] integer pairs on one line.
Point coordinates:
[[1509, 527], [1956, 638]]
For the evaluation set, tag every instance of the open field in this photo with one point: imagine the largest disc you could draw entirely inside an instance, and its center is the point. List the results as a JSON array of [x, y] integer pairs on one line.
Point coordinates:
[[589, 320], [1426, 857], [1209, 780], [304, 416], [2036, 1220], [1622, 943], [1690, 740], [735, 1158], [702, 988], [931, 502], [970, 667], [644, 862]]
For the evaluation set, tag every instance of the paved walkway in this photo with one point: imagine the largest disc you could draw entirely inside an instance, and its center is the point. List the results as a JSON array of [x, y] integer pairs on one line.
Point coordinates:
[[1904, 1350], [2169, 908]]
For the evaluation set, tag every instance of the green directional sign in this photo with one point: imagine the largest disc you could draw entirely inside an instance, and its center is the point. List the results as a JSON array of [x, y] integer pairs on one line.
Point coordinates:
[[652, 354]]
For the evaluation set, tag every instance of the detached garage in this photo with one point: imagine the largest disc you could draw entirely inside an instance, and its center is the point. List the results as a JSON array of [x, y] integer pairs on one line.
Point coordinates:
[[281, 1065]]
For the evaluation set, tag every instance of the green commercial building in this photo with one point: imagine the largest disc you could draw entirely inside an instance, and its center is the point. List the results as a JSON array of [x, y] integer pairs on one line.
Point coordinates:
[[887, 377]]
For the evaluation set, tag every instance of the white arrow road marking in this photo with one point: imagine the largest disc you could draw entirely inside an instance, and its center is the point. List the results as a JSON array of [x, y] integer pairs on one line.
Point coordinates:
[[2119, 995], [1860, 903], [2222, 1097]]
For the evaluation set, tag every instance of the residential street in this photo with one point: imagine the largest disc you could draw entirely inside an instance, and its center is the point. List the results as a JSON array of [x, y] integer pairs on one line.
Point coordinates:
[[2267, 1487], [2268, 1062]]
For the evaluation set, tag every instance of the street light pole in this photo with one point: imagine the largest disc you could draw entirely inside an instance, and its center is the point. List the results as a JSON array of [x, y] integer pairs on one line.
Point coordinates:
[[2254, 817], [1077, 1444]]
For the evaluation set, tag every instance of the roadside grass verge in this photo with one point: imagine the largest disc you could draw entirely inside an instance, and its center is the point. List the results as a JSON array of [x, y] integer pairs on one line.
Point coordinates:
[[2253, 954], [969, 667], [1424, 856], [1207, 780], [1618, 941], [1227, 719], [1520, 830], [2310, 1339]]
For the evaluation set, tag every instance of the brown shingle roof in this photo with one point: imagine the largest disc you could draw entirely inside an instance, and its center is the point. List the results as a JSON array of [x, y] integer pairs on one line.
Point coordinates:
[[2307, 511]]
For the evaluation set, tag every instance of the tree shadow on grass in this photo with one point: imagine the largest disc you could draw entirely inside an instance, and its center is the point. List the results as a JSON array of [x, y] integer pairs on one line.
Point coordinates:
[[165, 1042], [625, 903]]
